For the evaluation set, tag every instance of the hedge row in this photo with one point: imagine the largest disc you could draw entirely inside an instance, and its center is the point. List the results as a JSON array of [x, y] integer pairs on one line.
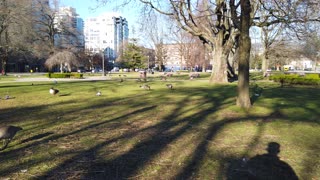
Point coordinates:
[[65, 75], [312, 75], [183, 71], [292, 79]]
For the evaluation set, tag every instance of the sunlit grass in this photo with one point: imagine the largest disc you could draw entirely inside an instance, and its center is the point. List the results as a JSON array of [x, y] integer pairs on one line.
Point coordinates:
[[193, 131]]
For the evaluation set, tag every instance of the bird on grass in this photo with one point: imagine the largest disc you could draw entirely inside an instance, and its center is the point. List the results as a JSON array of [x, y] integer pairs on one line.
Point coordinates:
[[257, 90], [145, 86], [7, 133], [6, 97], [98, 93], [170, 86], [53, 91]]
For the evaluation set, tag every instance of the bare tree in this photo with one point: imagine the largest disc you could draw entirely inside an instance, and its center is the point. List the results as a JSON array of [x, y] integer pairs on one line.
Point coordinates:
[[5, 19], [311, 47], [197, 57], [221, 23], [64, 59], [269, 34], [45, 26], [282, 53], [160, 55], [217, 25], [191, 50], [152, 27], [28, 30], [53, 33], [183, 40], [15, 29]]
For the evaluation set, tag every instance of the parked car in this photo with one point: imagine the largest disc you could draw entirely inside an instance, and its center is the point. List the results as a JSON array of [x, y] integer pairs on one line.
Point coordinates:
[[96, 70], [81, 70], [115, 69]]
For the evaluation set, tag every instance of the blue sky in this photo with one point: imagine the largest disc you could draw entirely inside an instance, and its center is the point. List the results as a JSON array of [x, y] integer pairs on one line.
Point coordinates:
[[84, 9]]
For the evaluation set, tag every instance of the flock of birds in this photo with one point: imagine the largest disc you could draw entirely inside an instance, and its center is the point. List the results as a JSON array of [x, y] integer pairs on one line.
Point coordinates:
[[8, 132], [55, 91]]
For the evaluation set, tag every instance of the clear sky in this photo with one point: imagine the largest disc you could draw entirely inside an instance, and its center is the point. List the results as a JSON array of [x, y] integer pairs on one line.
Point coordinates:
[[86, 9]]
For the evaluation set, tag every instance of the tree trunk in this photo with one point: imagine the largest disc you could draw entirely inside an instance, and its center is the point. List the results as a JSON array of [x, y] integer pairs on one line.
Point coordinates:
[[203, 67], [243, 99], [264, 64], [265, 61], [219, 61], [231, 71], [4, 65], [219, 66], [61, 68], [231, 66], [5, 57]]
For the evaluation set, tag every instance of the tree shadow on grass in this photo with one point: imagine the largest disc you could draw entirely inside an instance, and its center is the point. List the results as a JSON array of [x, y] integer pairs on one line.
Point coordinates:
[[23, 84], [88, 164], [36, 137], [47, 137], [127, 165], [17, 114]]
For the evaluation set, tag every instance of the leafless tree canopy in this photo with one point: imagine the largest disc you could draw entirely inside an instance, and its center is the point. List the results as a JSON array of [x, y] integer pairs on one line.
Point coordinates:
[[224, 25], [28, 28], [62, 58]]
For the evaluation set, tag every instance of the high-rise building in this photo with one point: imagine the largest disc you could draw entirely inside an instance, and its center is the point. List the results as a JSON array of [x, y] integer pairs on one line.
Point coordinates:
[[106, 33], [70, 28]]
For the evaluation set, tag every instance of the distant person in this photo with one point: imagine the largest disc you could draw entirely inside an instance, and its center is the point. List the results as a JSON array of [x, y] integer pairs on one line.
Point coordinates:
[[269, 166]]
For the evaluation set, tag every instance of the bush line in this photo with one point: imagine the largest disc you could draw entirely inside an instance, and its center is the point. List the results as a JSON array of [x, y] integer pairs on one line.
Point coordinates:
[[65, 75]]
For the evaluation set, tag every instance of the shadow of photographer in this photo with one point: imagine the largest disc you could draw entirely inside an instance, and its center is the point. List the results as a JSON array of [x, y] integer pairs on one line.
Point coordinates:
[[267, 166]]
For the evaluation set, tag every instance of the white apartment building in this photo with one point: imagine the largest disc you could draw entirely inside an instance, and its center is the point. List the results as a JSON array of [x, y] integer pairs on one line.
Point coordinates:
[[70, 28], [106, 33]]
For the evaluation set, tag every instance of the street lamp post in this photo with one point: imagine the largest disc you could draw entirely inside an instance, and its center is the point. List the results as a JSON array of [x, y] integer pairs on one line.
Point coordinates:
[[148, 63], [102, 54]]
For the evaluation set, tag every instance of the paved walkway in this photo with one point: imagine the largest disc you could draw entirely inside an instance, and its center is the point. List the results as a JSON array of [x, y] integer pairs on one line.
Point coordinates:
[[90, 78], [39, 79]]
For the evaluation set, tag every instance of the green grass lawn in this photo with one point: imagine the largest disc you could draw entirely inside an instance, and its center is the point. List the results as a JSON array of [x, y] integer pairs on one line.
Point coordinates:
[[192, 132]]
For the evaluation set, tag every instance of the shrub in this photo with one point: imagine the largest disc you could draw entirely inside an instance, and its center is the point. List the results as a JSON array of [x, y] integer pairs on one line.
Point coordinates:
[[256, 75], [183, 71], [295, 79], [312, 75], [65, 75], [76, 75]]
